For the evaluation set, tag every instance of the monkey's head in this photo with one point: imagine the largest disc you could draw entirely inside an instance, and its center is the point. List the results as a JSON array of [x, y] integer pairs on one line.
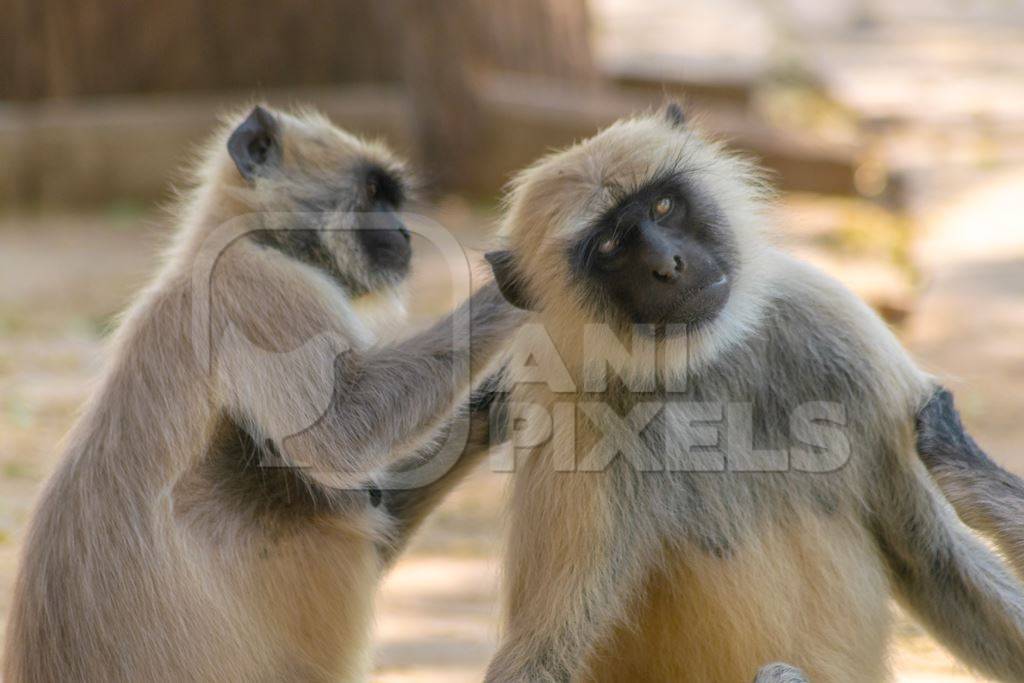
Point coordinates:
[[322, 196], [645, 226]]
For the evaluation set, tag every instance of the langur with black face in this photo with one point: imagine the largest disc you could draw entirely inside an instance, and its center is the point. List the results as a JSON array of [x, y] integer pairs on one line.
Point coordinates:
[[742, 487], [218, 514]]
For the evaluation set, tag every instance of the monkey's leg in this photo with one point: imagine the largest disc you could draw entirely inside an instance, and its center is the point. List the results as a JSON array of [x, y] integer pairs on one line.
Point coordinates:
[[409, 507], [780, 673], [572, 568], [946, 577], [987, 497]]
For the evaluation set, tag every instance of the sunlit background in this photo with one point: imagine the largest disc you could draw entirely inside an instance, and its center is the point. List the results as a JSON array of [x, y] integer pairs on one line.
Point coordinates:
[[895, 131]]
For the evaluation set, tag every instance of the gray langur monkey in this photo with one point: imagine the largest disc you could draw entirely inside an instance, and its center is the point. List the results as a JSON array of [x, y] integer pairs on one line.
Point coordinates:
[[987, 498], [163, 548], [742, 487]]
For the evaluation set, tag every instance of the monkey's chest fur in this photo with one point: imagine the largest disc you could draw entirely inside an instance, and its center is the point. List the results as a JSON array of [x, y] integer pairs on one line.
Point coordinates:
[[309, 551], [807, 591], [756, 544], [744, 567]]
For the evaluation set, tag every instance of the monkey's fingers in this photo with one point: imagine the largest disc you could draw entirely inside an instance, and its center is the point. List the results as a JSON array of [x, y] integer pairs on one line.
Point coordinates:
[[780, 673]]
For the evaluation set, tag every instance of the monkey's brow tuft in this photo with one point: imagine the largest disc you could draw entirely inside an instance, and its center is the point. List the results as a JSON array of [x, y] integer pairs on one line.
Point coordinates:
[[670, 181]]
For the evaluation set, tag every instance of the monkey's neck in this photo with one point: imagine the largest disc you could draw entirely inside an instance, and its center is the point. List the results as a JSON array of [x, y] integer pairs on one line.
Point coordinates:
[[585, 355]]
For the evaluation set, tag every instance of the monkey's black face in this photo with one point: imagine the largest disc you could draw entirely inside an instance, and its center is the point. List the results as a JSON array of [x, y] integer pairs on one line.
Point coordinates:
[[659, 257], [385, 240], [382, 235], [364, 198], [372, 252]]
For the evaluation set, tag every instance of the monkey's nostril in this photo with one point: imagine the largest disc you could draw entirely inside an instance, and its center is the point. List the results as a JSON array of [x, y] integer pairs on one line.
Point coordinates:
[[668, 271], [664, 274]]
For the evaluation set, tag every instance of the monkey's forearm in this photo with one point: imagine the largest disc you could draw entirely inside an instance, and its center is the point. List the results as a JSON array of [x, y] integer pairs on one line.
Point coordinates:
[[991, 502], [387, 398], [985, 496], [404, 390]]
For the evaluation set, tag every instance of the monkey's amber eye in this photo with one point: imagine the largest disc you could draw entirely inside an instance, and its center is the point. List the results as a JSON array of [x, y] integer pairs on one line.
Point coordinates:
[[662, 207], [371, 189], [608, 246]]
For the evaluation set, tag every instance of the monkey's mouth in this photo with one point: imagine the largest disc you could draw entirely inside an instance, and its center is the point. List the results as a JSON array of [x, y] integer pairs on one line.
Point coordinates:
[[686, 310], [389, 253]]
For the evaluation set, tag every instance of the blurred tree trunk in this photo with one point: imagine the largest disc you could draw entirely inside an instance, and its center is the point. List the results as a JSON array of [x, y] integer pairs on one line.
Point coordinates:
[[449, 46], [68, 48], [440, 49]]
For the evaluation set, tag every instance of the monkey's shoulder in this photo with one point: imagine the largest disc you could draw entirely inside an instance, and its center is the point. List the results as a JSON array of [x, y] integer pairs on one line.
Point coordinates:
[[817, 341], [813, 321]]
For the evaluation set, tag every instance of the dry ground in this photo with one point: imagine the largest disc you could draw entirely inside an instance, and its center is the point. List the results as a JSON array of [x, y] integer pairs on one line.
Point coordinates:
[[63, 278]]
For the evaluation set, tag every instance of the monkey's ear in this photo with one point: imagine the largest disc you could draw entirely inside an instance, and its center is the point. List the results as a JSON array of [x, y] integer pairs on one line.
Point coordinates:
[[506, 275], [256, 143], [675, 114]]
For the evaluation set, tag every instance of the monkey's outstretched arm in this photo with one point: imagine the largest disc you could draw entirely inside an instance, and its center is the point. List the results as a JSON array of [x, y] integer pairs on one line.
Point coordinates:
[[955, 585], [327, 405], [387, 398], [985, 496]]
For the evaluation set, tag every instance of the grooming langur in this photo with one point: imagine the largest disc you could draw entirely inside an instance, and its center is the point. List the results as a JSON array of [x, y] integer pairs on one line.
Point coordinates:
[[168, 546], [741, 487], [988, 498]]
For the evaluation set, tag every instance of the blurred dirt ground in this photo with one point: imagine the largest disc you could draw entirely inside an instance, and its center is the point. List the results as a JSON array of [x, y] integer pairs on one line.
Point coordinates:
[[63, 278]]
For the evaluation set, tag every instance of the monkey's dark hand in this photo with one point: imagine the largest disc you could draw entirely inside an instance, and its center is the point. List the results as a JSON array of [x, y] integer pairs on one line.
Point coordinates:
[[942, 440]]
